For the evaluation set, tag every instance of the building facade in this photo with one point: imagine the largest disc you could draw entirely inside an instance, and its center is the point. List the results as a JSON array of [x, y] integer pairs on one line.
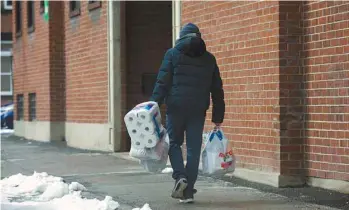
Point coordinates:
[[285, 69], [6, 52]]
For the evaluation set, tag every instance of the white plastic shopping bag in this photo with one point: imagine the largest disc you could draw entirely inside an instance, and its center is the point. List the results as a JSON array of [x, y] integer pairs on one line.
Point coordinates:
[[216, 158], [157, 165]]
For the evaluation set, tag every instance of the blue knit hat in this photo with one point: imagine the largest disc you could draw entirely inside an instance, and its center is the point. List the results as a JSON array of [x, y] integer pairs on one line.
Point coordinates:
[[190, 29]]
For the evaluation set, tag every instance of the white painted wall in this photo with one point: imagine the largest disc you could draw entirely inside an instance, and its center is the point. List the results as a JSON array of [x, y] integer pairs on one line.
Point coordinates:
[[91, 136], [40, 130]]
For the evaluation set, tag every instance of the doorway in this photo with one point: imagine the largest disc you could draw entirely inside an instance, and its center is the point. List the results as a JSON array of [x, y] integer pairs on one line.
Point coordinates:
[[148, 36]]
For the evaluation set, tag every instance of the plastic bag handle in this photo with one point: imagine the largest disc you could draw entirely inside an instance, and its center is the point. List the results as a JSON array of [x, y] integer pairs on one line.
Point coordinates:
[[216, 132]]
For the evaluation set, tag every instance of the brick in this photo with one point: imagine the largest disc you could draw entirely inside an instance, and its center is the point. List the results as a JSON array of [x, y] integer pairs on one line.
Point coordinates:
[[323, 77]]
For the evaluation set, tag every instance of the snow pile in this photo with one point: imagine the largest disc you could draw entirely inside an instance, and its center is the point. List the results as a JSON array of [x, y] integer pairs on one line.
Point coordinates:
[[71, 201], [44, 192], [75, 186], [145, 207], [167, 170], [6, 131]]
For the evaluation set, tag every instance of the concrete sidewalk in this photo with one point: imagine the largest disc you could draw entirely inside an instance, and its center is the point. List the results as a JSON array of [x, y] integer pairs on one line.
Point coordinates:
[[126, 181]]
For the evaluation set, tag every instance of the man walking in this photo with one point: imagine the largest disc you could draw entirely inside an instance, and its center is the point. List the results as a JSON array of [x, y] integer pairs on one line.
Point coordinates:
[[187, 76]]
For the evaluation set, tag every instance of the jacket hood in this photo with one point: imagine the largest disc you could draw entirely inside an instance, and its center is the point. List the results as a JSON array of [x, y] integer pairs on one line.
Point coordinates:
[[190, 41]]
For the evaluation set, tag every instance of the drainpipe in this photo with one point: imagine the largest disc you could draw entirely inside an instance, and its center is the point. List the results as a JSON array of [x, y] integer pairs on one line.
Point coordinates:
[[110, 74], [114, 80], [176, 20]]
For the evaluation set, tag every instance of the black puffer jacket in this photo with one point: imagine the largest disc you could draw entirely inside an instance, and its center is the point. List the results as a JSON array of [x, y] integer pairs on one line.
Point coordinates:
[[187, 77]]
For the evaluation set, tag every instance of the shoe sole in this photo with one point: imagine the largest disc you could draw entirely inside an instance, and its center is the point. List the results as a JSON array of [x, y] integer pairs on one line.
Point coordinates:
[[181, 185], [189, 200]]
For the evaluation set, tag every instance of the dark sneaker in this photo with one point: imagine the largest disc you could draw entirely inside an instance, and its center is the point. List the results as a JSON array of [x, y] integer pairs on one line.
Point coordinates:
[[188, 197], [180, 185]]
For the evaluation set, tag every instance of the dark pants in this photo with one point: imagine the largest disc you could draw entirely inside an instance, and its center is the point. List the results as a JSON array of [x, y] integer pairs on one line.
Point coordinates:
[[192, 126]]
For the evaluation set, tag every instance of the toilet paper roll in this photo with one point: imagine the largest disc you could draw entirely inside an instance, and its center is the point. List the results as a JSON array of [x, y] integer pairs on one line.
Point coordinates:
[[139, 153], [147, 153], [134, 130], [148, 128], [131, 118], [150, 141], [151, 128], [137, 143], [149, 113]]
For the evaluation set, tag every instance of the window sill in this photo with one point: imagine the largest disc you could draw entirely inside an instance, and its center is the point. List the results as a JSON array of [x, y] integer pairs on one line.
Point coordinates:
[[94, 5], [6, 93], [31, 29], [75, 13]]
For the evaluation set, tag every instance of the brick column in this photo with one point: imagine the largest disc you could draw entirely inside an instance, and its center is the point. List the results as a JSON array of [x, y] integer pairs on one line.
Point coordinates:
[[292, 95], [57, 70]]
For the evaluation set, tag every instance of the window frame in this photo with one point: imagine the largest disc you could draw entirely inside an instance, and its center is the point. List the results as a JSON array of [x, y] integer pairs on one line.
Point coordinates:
[[31, 109], [18, 116], [6, 6], [42, 6], [8, 93], [94, 5], [32, 14], [77, 11]]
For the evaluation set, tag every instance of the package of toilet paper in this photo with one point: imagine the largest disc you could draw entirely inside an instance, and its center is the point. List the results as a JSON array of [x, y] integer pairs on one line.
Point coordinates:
[[143, 124], [149, 139]]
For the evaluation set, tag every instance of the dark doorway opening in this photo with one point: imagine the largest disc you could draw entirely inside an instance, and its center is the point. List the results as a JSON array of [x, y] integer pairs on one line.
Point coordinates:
[[148, 36]]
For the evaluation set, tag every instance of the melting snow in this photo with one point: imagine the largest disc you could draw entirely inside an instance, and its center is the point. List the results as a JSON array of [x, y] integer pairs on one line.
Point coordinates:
[[145, 207], [167, 170], [41, 191], [5, 131]]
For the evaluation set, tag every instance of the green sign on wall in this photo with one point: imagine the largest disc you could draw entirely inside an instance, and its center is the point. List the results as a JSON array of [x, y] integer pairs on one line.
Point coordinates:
[[46, 16]]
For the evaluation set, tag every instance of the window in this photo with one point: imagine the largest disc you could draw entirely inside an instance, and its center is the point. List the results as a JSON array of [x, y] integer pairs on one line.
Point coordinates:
[[94, 5], [6, 73], [20, 107], [18, 17], [32, 106], [30, 16], [7, 5], [42, 7], [74, 7]]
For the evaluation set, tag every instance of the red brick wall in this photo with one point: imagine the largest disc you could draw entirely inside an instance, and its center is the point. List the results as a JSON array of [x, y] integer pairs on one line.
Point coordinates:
[[31, 62], [86, 54], [244, 39], [326, 46], [285, 71]]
